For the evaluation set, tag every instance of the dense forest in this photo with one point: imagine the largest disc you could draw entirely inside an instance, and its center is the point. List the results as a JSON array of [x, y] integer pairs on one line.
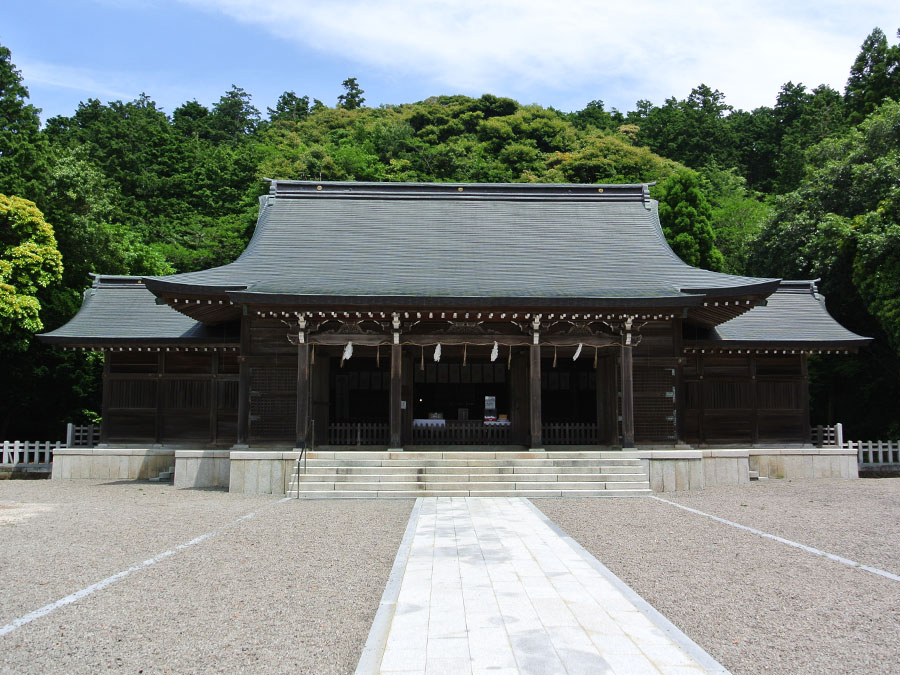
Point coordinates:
[[806, 189]]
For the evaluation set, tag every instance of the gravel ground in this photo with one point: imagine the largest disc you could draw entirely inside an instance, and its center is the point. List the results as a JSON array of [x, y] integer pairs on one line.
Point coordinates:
[[755, 604], [295, 588]]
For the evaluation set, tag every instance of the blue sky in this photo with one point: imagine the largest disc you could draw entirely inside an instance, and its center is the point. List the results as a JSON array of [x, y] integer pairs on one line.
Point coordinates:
[[561, 53]]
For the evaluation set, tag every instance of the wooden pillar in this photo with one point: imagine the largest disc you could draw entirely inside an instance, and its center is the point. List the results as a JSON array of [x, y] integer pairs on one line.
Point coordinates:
[[754, 401], [396, 440], [679, 403], [535, 439], [303, 392], [804, 397], [627, 392], [158, 424], [104, 405], [214, 397], [243, 420]]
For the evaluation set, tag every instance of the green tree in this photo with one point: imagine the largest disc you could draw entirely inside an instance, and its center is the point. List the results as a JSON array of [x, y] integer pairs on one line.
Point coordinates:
[[29, 260], [684, 214], [233, 116], [22, 148], [874, 76], [290, 107], [694, 131], [842, 224], [352, 98]]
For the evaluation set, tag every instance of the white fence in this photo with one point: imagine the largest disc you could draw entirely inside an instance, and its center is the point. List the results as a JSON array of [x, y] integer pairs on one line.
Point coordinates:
[[876, 453], [869, 453], [19, 453]]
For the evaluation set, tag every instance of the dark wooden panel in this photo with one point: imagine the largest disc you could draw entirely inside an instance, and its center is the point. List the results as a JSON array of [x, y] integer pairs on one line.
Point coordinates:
[[269, 336], [182, 425], [125, 393], [732, 426], [782, 426], [132, 362], [126, 426], [189, 362], [186, 394]]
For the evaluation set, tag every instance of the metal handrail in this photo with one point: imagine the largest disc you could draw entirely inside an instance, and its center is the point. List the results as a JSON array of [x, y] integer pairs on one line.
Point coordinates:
[[310, 436]]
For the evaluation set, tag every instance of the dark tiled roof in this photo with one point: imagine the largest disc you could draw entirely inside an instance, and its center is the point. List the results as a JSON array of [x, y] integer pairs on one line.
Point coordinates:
[[459, 241], [795, 315], [121, 310]]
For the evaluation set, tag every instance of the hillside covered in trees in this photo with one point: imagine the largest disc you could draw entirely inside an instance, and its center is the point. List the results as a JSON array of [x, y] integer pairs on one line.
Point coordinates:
[[808, 188]]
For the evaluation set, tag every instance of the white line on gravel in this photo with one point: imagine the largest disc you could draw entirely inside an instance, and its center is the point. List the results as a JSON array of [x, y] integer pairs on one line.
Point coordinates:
[[100, 585], [808, 549]]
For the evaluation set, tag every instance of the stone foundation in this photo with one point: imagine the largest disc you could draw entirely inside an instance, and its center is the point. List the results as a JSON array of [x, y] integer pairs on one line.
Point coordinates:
[[804, 463], [269, 472], [261, 472], [202, 468], [112, 463]]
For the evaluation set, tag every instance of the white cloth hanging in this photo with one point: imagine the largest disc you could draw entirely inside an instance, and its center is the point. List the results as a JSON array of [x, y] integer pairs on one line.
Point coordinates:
[[348, 351], [437, 352], [577, 352], [495, 352]]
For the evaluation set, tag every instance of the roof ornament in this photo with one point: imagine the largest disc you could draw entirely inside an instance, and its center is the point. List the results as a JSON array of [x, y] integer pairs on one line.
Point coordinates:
[[395, 321]]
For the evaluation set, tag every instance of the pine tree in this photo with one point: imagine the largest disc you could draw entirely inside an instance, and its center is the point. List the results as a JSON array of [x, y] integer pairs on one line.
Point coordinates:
[[352, 98]]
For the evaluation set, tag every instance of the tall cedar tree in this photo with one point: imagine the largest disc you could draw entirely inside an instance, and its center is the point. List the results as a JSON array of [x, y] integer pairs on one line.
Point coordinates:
[[685, 216], [875, 76], [22, 148]]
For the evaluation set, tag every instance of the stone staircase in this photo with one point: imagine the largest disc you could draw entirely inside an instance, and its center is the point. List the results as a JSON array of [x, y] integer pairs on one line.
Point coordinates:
[[439, 473]]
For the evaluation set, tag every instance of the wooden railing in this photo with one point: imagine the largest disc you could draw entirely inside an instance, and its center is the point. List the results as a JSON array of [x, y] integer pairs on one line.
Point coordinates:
[[823, 436], [569, 433], [81, 435], [18, 453], [358, 433], [876, 453], [462, 432]]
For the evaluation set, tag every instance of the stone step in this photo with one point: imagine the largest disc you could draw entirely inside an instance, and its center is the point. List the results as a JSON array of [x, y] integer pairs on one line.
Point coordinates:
[[471, 470], [472, 478], [473, 454], [407, 494], [466, 486], [474, 462]]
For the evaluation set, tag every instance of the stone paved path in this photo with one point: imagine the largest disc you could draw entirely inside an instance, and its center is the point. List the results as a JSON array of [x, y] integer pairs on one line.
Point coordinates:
[[491, 586]]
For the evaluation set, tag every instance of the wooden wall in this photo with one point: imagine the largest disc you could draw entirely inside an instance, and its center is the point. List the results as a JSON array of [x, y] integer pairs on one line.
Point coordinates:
[[170, 397], [743, 398]]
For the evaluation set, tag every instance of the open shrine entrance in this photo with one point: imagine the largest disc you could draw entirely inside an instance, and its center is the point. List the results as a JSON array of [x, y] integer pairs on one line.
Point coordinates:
[[464, 398]]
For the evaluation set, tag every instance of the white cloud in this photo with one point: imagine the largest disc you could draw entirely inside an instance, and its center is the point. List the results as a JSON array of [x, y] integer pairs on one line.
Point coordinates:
[[614, 50]]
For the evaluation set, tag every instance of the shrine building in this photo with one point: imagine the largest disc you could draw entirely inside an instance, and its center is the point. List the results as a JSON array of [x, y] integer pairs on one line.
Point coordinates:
[[411, 315]]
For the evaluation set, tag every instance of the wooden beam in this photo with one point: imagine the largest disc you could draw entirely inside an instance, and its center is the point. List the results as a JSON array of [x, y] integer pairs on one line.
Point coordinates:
[[302, 436], [535, 435], [243, 420], [340, 339], [627, 395], [396, 391]]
